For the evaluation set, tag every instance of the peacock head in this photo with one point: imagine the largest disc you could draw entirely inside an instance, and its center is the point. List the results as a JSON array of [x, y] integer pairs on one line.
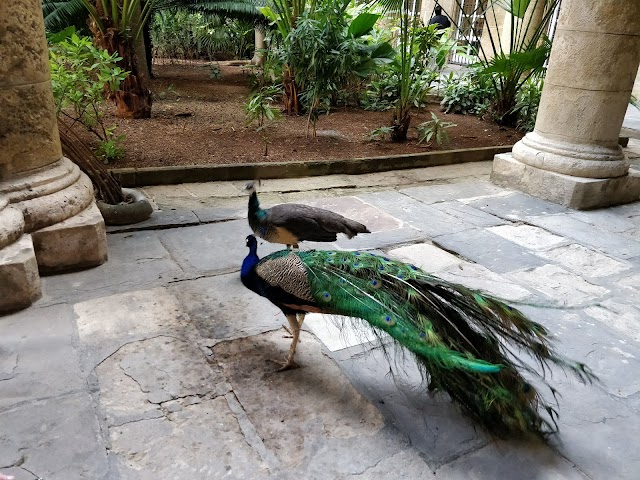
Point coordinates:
[[252, 243]]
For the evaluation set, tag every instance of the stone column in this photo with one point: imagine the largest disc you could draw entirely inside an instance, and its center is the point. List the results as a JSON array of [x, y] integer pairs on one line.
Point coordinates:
[[573, 157], [54, 199]]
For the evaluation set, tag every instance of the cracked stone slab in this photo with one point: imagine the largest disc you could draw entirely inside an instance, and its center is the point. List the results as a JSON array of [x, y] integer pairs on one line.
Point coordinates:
[[435, 427], [426, 256], [517, 206], [55, 438], [222, 308], [622, 317], [106, 324], [460, 191], [141, 377], [166, 218], [610, 354], [597, 433], [511, 460], [616, 245], [136, 261], [527, 236], [433, 220], [202, 441], [406, 464], [490, 250], [24, 338], [605, 220], [210, 215], [446, 172], [585, 261], [290, 409], [212, 248], [480, 278], [564, 287]]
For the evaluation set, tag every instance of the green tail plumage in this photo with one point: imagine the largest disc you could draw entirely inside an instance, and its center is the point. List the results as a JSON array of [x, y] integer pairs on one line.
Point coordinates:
[[462, 339]]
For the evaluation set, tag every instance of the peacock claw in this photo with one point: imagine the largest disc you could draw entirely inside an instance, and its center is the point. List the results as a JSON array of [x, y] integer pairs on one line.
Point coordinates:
[[286, 365]]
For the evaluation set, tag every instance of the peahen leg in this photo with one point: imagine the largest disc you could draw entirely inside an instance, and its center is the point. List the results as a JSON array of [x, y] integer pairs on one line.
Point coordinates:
[[289, 362]]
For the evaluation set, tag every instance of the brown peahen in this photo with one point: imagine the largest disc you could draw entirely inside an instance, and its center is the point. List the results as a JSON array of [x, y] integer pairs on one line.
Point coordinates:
[[292, 223], [464, 341]]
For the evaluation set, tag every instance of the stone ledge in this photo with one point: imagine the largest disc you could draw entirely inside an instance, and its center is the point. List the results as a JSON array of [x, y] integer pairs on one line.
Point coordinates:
[[139, 177], [78, 242], [574, 192], [19, 280]]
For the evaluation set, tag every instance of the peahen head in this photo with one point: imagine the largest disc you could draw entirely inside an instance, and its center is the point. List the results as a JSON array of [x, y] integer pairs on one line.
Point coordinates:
[[250, 187]]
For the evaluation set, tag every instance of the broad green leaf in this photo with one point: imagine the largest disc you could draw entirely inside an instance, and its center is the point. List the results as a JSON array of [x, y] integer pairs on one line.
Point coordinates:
[[362, 24]]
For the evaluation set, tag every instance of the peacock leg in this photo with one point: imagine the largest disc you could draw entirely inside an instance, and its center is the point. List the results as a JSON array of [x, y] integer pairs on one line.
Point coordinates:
[[289, 363]]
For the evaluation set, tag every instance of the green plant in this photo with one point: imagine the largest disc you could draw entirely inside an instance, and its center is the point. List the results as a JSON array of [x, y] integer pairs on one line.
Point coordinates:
[[379, 133], [510, 62], [469, 93], [79, 74], [322, 49], [527, 102], [259, 108], [434, 128], [193, 35], [326, 51]]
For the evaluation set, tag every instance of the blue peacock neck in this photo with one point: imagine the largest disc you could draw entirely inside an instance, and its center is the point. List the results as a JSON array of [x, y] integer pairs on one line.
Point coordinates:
[[249, 262]]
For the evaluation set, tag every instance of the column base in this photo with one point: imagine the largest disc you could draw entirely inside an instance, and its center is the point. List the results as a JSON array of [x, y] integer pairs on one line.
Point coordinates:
[[77, 242], [19, 279], [574, 192]]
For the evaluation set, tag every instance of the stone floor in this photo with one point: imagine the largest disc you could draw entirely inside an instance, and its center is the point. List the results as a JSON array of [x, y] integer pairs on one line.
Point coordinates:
[[156, 365]]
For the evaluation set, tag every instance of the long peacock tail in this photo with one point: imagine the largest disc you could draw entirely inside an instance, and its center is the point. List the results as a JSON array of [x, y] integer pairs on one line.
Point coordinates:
[[464, 341]]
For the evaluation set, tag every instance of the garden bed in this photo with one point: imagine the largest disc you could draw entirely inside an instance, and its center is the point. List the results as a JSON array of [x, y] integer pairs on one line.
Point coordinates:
[[199, 120]]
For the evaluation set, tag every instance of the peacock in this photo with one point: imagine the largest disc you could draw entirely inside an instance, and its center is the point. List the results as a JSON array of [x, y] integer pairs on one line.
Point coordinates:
[[463, 340], [292, 223]]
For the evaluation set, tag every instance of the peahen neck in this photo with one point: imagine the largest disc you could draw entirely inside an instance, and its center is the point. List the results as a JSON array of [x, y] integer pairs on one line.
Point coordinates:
[[256, 214]]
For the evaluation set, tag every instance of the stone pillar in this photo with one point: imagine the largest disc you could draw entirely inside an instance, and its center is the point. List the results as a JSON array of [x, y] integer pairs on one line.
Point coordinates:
[[53, 198], [573, 157]]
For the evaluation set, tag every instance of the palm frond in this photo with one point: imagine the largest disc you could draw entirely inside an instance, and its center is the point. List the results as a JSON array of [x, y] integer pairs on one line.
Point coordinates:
[[60, 14]]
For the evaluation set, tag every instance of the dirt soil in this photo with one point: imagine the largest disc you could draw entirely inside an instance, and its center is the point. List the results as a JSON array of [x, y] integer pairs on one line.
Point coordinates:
[[199, 120]]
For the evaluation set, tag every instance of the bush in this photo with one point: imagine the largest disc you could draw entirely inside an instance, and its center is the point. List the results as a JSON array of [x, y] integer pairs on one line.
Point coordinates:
[[80, 72], [184, 35], [527, 102], [466, 94]]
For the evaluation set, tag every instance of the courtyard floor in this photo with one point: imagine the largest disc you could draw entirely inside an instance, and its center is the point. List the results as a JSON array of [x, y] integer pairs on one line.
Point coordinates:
[[156, 364]]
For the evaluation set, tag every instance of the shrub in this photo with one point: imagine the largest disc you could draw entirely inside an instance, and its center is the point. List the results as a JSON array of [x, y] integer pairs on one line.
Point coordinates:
[[79, 74], [434, 129], [467, 94], [527, 102]]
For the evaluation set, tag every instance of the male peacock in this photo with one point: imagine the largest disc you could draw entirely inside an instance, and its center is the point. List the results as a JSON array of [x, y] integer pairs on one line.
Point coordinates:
[[462, 339], [292, 223]]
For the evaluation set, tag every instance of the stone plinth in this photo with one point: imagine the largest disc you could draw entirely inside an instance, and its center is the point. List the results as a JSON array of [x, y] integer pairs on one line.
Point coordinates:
[[19, 280], [78, 242], [580, 193]]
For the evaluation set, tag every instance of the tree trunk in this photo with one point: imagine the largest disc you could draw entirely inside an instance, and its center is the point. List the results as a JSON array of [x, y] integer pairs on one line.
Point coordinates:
[[133, 99], [291, 101], [148, 48], [258, 55], [400, 125]]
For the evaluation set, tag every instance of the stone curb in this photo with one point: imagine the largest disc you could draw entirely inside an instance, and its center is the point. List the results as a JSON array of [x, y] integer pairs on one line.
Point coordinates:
[[139, 177]]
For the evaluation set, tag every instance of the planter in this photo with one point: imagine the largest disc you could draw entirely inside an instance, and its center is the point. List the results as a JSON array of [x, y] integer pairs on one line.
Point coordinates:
[[137, 210]]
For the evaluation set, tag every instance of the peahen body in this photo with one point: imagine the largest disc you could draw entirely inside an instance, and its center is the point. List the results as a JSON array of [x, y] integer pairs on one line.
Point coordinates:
[[292, 223], [463, 340]]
